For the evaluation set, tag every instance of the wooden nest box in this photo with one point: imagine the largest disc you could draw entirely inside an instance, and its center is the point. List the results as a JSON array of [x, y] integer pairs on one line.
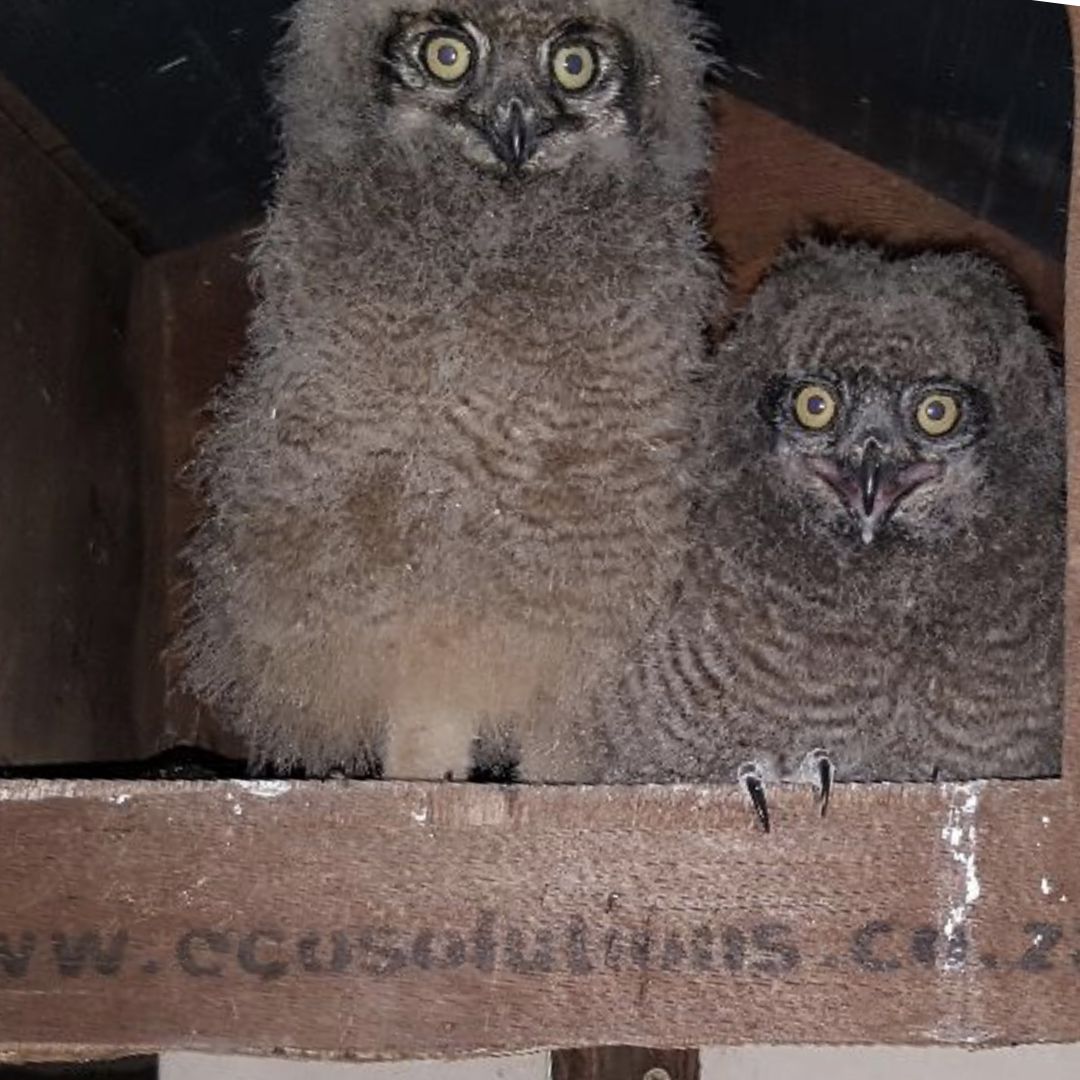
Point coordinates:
[[391, 920]]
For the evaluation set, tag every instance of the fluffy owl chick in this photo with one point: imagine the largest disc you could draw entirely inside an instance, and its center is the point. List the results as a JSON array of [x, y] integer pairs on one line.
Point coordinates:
[[876, 583], [450, 482]]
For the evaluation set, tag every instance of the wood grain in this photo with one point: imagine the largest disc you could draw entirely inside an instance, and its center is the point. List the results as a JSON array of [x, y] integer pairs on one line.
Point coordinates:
[[69, 529], [411, 921], [1071, 757], [772, 181], [189, 320]]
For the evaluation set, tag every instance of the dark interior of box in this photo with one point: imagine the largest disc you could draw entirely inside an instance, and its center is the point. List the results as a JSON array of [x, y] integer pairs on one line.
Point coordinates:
[[135, 157]]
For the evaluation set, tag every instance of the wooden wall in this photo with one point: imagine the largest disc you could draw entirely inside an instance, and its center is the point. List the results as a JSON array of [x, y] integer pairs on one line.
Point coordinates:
[[772, 180], [69, 506]]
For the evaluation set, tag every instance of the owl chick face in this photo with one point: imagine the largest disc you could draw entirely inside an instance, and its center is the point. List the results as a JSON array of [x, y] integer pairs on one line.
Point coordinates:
[[874, 453], [514, 97]]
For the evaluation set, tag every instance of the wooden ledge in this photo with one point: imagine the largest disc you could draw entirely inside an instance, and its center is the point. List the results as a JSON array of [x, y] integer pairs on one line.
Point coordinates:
[[407, 920]]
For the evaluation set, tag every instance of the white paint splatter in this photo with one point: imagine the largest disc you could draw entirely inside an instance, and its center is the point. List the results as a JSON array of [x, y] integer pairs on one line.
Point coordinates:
[[959, 834], [1045, 886], [264, 789], [1045, 821], [420, 816], [42, 790]]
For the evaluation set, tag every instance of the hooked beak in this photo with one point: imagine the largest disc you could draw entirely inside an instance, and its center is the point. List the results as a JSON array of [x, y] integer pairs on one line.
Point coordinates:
[[513, 133], [870, 476], [872, 486]]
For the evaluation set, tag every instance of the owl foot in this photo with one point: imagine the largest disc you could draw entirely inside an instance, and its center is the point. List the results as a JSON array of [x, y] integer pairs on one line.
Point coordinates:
[[817, 769], [750, 776]]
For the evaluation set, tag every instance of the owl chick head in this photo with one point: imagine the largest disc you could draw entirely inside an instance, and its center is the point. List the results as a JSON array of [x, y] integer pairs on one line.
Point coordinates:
[[896, 399], [512, 88]]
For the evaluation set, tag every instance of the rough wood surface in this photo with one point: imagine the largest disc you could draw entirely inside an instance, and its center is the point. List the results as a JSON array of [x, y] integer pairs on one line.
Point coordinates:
[[772, 180], [391, 921], [69, 453], [1071, 757], [188, 329]]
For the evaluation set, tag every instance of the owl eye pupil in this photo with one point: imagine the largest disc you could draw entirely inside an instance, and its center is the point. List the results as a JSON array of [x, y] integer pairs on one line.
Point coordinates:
[[817, 405], [448, 55], [935, 411], [575, 64]]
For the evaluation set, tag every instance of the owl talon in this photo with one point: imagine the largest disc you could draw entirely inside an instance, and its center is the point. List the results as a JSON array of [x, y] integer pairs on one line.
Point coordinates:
[[825, 783], [750, 777], [818, 765]]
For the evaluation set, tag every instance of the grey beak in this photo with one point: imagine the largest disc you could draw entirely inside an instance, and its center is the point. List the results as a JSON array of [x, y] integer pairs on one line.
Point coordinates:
[[870, 476], [512, 133]]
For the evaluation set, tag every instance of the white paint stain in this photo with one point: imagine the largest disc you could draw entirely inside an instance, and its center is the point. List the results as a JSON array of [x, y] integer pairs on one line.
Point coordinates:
[[959, 834], [1045, 886], [43, 790], [420, 816], [264, 789]]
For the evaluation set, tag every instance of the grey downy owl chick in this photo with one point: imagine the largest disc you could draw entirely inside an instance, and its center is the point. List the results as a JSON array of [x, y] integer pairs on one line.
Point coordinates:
[[876, 586], [450, 483]]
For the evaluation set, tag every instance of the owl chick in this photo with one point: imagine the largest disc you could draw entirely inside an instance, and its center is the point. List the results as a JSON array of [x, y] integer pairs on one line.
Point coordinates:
[[450, 484], [876, 586]]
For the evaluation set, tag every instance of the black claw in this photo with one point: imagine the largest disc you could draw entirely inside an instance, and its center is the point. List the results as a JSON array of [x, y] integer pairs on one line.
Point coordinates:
[[756, 790], [825, 782]]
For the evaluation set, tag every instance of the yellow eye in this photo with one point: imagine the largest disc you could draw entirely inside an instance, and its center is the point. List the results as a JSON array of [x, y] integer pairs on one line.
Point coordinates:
[[815, 408], [574, 67], [937, 414], [447, 58]]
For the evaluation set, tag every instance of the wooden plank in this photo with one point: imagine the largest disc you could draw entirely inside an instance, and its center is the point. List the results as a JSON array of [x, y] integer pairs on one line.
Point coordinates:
[[425, 921], [799, 181], [189, 317], [1071, 756], [69, 540], [625, 1063]]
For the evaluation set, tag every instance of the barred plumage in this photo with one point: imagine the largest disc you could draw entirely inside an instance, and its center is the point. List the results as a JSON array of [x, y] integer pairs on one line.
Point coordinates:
[[922, 642], [450, 483]]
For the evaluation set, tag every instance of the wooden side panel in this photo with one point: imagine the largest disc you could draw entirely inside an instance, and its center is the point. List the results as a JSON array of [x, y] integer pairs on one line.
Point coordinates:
[[412, 921], [773, 180], [188, 328], [69, 463], [1071, 756]]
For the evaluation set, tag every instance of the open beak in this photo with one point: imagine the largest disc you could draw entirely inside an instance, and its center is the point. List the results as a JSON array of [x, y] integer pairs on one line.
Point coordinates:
[[513, 133], [872, 486]]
